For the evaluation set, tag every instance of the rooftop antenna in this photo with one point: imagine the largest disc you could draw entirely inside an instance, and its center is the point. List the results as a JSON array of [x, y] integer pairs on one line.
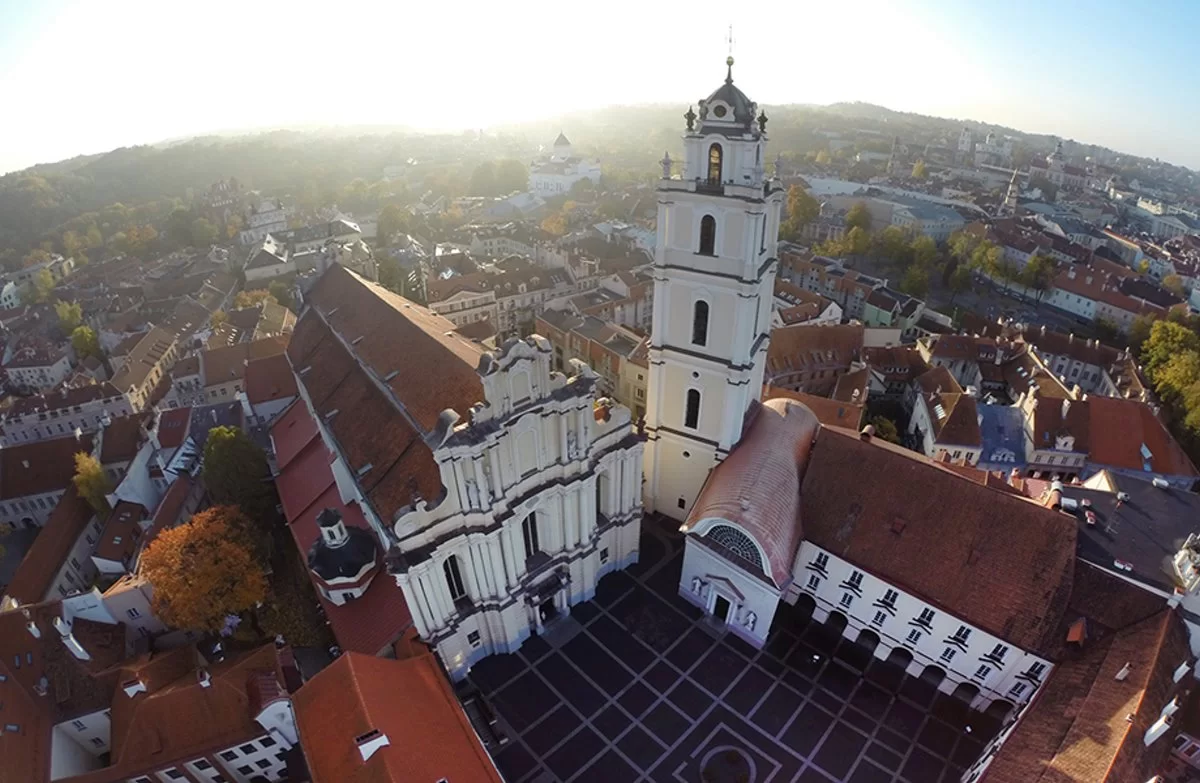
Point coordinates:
[[729, 59]]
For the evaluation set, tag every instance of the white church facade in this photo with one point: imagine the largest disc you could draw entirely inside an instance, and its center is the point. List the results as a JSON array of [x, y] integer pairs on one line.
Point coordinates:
[[556, 173], [500, 491]]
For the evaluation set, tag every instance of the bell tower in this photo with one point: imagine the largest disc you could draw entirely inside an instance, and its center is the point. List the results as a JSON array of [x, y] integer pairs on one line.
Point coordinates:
[[714, 279]]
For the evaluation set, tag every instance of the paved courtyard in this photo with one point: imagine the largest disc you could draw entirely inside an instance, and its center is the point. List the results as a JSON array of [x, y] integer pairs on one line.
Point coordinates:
[[648, 691]]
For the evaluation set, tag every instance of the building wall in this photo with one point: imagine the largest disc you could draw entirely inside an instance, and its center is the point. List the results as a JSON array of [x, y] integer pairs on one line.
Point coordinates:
[[836, 585], [707, 576], [67, 757], [42, 377], [29, 510], [268, 272], [53, 424], [77, 571]]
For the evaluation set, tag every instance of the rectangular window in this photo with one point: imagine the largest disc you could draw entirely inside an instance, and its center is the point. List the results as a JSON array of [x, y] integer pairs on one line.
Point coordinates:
[[133, 613], [814, 582], [79, 725], [246, 769], [202, 764], [691, 418], [999, 651], [248, 748], [1017, 690], [1036, 669], [473, 638], [529, 532], [821, 561], [982, 672], [174, 774], [266, 742], [889, 598], [926, 617], [99, 743], [856, 578], [847, 599], [604, 555], [878, 619], [948, 654], [962, 634], [263, 763], [229, 755], [914, 636]]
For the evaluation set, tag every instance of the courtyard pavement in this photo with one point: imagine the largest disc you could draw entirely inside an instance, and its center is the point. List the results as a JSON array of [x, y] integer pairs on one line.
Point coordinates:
[[649, 691]]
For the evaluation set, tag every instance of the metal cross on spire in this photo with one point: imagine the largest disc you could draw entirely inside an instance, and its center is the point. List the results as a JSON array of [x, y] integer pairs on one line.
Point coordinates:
[[729, 59]]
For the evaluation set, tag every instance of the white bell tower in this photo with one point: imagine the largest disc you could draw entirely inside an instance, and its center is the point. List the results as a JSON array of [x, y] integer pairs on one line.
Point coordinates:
[[714, 279]]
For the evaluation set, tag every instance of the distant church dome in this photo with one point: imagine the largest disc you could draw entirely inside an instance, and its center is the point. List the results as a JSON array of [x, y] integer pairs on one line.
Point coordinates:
[[340, 552]]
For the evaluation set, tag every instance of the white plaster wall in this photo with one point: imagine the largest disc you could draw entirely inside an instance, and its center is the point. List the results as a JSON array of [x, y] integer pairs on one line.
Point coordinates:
[[999, 683], [67, 757], [757, 597]]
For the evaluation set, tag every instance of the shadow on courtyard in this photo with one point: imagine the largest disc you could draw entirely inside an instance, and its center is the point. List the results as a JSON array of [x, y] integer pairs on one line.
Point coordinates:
[[647, 691]]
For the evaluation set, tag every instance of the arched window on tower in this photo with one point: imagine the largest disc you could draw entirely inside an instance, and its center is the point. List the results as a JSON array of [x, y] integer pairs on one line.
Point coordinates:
[[700, 323], [708, 235], [691, 416], [714, 164], [454, 580]]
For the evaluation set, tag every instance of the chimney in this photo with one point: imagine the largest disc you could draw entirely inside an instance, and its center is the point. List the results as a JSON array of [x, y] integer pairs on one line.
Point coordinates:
[[204, 678], [133, 687], [370, 742], [1066, 407], [1125, 670], [33, 629], [77, 649], [1014, 478], [867, 433]]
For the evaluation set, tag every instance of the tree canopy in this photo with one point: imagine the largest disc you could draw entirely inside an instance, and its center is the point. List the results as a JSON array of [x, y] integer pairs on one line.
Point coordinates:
[[85, 342], [70, 315], [253, 298], [858, 216], [91, 482], [204, 570], [802, 209], [918, 170], [236, 473]]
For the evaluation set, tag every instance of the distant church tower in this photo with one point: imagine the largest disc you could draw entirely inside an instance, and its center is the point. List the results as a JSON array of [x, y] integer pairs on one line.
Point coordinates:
[[714, 273], [1010, 197]]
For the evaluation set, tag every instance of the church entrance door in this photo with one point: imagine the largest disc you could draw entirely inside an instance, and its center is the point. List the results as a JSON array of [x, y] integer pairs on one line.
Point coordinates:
[[547, 611], [721, 608]]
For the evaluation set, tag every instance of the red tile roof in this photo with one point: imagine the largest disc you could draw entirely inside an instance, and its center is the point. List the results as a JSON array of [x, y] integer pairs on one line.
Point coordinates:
[[173, 427], [758, 485], [1085, 725], [1004, 563], [35, 574], [122, 530], [409, 701], [831, 413], [294, 430], [306, 487], [270, 378], [1118, 430], [39, 467], [121, 440]]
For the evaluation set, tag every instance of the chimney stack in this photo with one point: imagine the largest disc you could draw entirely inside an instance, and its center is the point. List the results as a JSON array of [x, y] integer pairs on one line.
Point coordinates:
[[867, 433]]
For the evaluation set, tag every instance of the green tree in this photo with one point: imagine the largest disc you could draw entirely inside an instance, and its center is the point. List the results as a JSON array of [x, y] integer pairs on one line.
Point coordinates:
[[1039, 274], [236, 473], [91, 482], [1174, 380], [72, 243], [252, 298], [178, 227], [924, 251], [885, 428], [858, 216], [1139, 332], [85, 342], [962, 245], [802, 209], [70, 315], [915, 282], [203, 233], [856, 242], [960, 280], [918, 170], [1174, 284], [393, 219], [823, 158], [1167, 339], [894, 244], [93, 236], [43, 284], [281, 293]]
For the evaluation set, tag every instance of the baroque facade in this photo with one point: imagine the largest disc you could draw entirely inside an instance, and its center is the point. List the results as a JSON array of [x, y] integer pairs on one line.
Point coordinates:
[[501, 490]]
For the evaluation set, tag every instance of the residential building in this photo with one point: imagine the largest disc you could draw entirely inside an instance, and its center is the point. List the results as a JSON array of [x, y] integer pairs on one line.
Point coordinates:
[[58, 413], [270, 388], [34, 476], [521, 290], [829, 278], [37, 366], [218, 375], [266, 217], [59, 562], [271, 258], [811, 359], [944, 418], [794, 305], [605, 347], [148, 364], [556, 173], [354, 729], [461, 442]]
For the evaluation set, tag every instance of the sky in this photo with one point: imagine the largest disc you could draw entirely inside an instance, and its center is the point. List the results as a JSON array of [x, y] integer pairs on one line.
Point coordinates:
[[86, 76]]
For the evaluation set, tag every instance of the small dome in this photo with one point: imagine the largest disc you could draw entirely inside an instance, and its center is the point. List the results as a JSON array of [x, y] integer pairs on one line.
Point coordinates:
[[742, 107], [340, 552]]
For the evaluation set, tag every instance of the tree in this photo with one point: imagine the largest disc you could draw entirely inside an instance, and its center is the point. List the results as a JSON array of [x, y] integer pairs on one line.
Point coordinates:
[[802, 210], [236, 473], [280, 292], [1175, 379], [393, 219], [962, 245], [1139, 332], [555, 224], [35, 257], [512, 175], [203, 233], [856, 242], [918, 170], [885, 428], [1143, 267], [1167, 339], [72, 243], [203, 571], [858, 216], [483, 179], [895, 245], [253, 298], [218, 318], [823, 158], [1174, 284], [915, 282], [70, 315], [960, 280], [85, 342], [1038, 274], [924, 250], [178, 227], [43, 284], [93, 236], [91, 482]]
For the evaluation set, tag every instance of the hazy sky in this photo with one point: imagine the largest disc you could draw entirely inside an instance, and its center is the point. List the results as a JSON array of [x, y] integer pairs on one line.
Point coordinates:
[[81, 76]]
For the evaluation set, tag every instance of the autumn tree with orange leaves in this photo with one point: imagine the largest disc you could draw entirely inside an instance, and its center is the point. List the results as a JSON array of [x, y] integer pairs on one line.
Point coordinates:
[[204, 570]]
